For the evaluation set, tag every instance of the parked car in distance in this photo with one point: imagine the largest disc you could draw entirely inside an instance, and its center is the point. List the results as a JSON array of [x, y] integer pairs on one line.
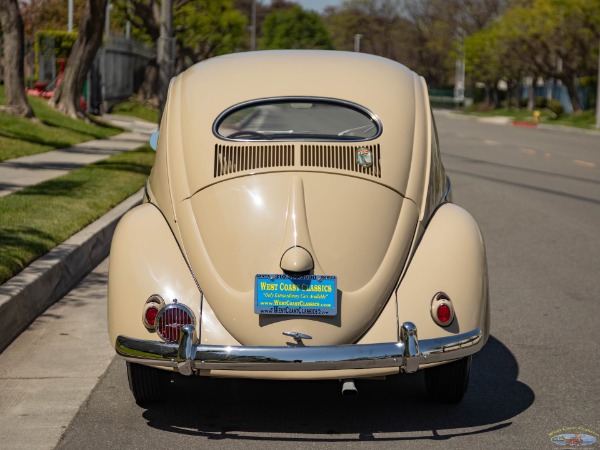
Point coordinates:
[[298, 224]]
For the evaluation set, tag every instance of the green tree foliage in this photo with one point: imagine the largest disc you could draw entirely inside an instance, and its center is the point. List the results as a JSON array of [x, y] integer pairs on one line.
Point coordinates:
[[207, 28], [422, 34], [379, 24], [437, 29], [202, 28], [49, 15], [434, 35], [483, 59], [549, 38], [294, 28], [263, 9]]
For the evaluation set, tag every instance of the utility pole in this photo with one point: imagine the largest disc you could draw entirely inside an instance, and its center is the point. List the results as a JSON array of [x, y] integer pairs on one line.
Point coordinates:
[[70, 24], [357, 42], [598, 90], [459, 76], [107, 20], [165, 54], [253, 27], [128, 23]]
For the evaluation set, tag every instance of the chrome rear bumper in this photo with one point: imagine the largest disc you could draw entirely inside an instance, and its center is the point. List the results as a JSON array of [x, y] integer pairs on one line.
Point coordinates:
[[187, 356]]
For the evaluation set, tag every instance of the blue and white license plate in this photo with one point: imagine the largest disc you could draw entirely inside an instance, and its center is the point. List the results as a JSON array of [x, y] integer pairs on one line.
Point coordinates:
[[308, 295]]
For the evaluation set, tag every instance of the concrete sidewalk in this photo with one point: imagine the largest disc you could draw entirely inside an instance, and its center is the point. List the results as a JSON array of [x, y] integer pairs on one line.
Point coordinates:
[[25, 296]]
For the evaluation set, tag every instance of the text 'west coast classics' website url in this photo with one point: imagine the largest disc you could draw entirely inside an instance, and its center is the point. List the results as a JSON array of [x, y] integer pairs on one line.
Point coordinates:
[[301, 311]]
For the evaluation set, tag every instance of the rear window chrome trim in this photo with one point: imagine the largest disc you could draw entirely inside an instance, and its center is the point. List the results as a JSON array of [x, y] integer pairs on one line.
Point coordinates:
[[302, 99]]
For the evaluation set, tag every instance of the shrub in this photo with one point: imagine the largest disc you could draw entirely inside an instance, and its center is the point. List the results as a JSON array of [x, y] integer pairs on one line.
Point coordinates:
[[556, 107], [540, 102], [62, 43]]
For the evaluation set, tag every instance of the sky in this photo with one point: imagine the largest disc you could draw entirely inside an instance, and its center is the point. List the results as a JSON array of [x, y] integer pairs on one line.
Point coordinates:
[[318, 5]]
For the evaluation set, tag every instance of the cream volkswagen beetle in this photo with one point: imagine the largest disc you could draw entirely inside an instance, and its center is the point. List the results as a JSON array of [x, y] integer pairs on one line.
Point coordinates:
[[298, 224]]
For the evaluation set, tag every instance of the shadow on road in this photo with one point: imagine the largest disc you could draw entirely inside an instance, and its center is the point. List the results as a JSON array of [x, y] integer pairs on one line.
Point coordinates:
[[316, 410]]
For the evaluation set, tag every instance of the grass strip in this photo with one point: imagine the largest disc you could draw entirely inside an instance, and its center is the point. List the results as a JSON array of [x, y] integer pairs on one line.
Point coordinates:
[[136, 109], [38, 218], [585, 119], [52, 130]]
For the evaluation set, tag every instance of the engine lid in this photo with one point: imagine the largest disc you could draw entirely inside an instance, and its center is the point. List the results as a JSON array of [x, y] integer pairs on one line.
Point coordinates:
[[323, 224]]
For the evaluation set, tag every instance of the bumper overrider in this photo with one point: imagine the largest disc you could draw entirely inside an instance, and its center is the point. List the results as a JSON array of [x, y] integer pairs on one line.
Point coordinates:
[[188, 356]]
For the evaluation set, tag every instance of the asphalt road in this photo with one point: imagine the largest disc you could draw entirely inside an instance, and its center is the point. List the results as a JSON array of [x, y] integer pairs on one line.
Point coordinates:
[[536, 195]]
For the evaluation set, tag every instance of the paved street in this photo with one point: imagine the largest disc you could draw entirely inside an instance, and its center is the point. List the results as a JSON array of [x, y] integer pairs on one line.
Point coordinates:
[[535, 194]]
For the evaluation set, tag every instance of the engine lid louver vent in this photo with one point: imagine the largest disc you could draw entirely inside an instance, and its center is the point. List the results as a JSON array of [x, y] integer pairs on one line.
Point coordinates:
[[231, 159], [342, 157]]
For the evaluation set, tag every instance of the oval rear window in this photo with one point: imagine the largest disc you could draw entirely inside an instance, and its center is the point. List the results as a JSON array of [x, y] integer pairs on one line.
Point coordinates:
[[305, 119]]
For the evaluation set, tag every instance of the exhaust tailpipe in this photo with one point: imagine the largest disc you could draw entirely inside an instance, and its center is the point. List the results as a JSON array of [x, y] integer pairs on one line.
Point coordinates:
[[348, 388]]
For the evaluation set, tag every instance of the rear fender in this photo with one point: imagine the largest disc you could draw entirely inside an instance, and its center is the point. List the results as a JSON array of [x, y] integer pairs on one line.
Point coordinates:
[[450, 258], [145, 260]]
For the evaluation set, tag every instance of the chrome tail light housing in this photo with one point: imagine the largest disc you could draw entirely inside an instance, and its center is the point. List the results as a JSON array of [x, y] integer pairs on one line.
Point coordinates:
[[170, 319]]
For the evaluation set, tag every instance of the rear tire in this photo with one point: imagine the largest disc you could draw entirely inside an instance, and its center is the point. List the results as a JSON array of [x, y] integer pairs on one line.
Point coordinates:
[[147, 384], [447, 383]]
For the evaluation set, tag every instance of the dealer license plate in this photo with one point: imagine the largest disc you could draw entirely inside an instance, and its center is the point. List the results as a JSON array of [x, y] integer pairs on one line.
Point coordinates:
[[308, 295]]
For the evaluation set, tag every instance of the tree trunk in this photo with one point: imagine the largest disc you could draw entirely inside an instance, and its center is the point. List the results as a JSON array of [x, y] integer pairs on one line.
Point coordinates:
[[148, 91], [531, 97], [496, 96], [488, 97], [67, 95], [571, 84], [14, 74], [518, 97]]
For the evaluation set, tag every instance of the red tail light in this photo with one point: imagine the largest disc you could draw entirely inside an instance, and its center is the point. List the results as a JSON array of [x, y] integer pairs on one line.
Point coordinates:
[[442, 310], [170, 319], [443, 313], [150, 315], [151, 308]]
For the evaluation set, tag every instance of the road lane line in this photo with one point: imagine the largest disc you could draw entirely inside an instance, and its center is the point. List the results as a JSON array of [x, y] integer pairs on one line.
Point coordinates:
[[579, 162], [528, 151]]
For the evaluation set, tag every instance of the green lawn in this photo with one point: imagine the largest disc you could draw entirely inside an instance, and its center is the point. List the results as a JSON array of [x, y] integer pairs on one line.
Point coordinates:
[[38, 218], [21, 137], [135, 109]]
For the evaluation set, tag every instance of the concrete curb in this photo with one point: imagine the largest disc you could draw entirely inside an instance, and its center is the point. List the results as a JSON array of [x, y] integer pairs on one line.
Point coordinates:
[[25, 296]]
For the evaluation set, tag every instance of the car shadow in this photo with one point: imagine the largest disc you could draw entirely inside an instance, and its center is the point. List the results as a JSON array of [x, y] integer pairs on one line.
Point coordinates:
[[317, 411]]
